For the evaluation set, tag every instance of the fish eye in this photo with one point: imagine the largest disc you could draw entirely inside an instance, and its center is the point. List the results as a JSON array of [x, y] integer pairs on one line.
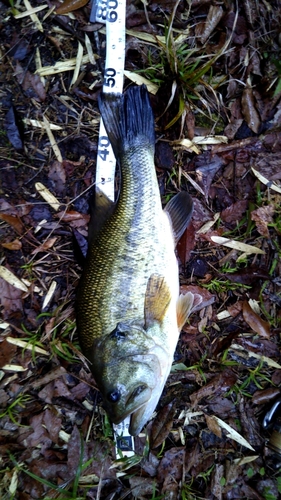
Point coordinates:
[[114, 396]]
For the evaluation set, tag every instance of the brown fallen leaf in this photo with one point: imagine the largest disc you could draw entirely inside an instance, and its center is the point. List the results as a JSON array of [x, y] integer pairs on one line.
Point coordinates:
[[7, 352], [262, 217], [213, 425], [264, 396], [162, 425], [186, 244], [12, 245], [170, 471], [214, 16], [257, 324], [45, 246], [72, 215], [249, 111], [10, 299], [235, 211], [219, 384], [13, 221]]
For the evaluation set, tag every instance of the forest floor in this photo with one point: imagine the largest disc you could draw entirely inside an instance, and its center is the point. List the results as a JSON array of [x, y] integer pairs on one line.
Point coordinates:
[[214, 73]]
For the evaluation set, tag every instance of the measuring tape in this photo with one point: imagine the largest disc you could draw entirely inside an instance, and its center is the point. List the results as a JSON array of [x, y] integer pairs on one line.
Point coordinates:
[[113, 14]]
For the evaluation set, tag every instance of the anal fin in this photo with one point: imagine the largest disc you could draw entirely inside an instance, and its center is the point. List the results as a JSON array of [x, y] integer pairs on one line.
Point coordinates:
[[157, 299]]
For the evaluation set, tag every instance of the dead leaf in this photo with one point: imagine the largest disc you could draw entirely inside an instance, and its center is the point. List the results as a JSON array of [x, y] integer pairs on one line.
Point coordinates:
[[12, 129], [12, 245], [186, 244], [141, 486], [234, 212], [257, 324], [219, 384], [214, 16], [45, 246], [262, 217], [207, 170], [57, 175], [249, 111], [264, 396], [170, 471], [31, 83], [7, 352], [162, 425], [10, 299], [53, 424], [213, 425], [72, 215]]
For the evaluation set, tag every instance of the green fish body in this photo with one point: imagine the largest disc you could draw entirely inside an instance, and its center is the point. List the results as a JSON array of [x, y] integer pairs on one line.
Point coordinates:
[[128, 307]]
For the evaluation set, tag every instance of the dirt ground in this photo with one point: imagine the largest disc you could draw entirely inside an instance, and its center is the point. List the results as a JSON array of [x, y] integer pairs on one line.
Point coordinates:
[[215, 72]]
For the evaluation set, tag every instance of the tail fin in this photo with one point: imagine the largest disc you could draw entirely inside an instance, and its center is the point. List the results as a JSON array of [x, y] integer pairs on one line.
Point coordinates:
[[128, 119]]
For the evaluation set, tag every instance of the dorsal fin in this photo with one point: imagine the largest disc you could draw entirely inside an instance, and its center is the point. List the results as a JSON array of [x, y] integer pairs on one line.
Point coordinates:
[[179, 210]]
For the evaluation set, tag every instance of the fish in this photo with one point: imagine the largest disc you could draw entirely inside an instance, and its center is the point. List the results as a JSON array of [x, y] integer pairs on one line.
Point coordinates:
[[129, 311]]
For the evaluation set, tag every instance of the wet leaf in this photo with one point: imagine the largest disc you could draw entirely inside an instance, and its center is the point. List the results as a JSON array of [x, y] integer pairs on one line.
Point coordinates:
[[186, 244], [142, 486], [45, 246], [257, 324], [234, 212], [207, 171], [13, 221], [72, 215], [249, 110], [162, 425], [264, 396], [214, 16], [248, 275], [7, 353], [12, 245], [213, 425], [218, 385], [170, 470], [262, 217], [12, 129], [70, 5]]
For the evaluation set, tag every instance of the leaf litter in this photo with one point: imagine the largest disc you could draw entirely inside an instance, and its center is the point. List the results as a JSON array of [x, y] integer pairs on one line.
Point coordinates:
[[215, 92]]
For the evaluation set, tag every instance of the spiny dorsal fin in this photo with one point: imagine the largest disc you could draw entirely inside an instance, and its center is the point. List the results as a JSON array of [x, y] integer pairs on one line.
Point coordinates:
[[184, 306], [157, 299], [179, 210], [101, 209]]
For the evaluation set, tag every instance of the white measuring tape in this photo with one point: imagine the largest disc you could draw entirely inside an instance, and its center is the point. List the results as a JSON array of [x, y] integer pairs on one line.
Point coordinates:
[[113, 14]]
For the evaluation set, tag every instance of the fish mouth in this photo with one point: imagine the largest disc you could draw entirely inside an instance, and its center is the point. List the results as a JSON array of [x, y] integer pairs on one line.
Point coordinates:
[[138, 398]]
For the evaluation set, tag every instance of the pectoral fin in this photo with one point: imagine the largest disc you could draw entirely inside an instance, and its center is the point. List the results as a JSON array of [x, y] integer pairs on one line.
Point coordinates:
[[101, 209], [157, 299], [184, 306], [179, 210]]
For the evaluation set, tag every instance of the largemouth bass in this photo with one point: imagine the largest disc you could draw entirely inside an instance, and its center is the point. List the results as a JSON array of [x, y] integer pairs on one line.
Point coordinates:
[[128, 307]]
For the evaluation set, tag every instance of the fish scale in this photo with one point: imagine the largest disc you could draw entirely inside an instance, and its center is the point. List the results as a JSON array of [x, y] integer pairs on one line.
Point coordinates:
[[126, 243]]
